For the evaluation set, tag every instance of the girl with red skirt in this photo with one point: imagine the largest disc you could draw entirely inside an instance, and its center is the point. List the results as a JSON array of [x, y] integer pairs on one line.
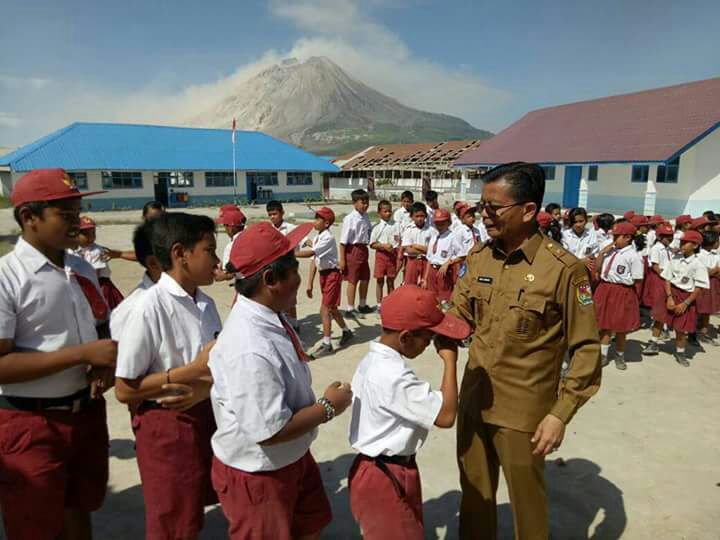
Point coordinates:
[[658, 258], [708, 302]]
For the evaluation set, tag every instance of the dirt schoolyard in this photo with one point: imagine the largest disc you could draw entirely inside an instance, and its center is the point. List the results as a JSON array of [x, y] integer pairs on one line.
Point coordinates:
[[641, 460]]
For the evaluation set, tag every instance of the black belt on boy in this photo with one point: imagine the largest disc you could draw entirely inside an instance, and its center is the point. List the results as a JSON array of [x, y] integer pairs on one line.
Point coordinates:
[[381, 462], [73, 403]]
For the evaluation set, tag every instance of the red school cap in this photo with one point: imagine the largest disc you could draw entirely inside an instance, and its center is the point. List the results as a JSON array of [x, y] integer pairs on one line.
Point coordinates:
[[230, 215], [46, 185], [326, 213], [465, 209], [692, 236], [656, 220], [86, 223], [700, 222], [263, 244], [664, 230], [639, 220], [544, 219], [411, 308], [629, 214], [440, 215], [624, 227], [682, 220]]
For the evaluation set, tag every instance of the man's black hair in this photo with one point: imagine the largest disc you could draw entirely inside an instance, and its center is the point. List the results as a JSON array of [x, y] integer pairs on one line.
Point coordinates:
[[274, 206], [575, 212], [384, 202], [280, 269], [550, 208], [152, 205], [526, 180], [178, 228], [605, 221], [36, 209], [709, 239], [407, 195], [418, 207], [142, 241], [359, 195], [431, 196]]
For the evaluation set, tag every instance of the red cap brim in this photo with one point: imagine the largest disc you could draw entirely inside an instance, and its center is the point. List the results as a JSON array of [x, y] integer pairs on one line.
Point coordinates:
[[452, 327], [298, 233]]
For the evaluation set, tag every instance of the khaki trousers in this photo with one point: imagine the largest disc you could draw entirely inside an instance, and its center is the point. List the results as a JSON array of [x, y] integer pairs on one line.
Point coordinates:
[[482, 450]]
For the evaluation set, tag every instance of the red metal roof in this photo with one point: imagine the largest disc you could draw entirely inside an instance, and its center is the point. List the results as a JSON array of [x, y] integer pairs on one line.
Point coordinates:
[[652, 125], [416, 155]]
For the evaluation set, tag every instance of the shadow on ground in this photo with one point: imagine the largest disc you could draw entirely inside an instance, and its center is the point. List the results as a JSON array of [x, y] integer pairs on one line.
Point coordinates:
[[365, 330]]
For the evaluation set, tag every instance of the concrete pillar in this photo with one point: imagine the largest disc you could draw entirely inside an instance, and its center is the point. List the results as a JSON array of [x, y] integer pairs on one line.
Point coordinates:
[[650, 198], [463, 181], [583, 195]]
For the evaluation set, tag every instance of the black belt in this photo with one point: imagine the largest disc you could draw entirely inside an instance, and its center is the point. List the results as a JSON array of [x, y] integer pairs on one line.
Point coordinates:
[[74, 403], [149, 404], [328, 271], [404, 461]]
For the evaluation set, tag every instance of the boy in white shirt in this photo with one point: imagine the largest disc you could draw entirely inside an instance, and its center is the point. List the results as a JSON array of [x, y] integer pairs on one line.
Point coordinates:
[[324, 255], [354, 256], [233, 221], [162, 352], [471, 233], [267, 415], [402, 216], [444, 252], [385, 240], [393, 412], [431, 204], [415, 241]]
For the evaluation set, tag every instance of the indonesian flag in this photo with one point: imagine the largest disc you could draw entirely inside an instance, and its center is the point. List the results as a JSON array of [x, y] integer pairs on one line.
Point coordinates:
[[234, 125]]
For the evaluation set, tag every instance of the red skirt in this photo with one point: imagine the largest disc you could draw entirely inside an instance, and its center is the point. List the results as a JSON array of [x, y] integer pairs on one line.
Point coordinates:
[[715, 288], [357, 267], [686, 323], [653, 287], [617, 307], [112, 294], [330, 285], [414, 270], [705, 302], [386, 264], [442, 286]]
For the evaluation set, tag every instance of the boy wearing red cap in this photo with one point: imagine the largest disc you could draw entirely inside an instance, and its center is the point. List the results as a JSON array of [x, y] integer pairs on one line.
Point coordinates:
[[96, 256], [161, 373], [267, 416], [324, 255], [616, 297], [470, 233], [54, 439], [393, 412], [233, 220], [354, 256], [708, 302], [684, 277], [415, 240], [385, 240], [444, 251]]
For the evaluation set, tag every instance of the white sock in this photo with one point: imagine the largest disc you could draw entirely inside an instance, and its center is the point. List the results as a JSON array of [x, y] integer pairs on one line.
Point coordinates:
[[349, 308], [621, 354], [681, 351], [362, 303], [326, 340], [604, 349]]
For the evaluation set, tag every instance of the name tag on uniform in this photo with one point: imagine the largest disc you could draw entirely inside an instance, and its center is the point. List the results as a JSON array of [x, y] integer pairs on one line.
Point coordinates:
[[685, 279], [621, 270], [443, 253], [485, 279]]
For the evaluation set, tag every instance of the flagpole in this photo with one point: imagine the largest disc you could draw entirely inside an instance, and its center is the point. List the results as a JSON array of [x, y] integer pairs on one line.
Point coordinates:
[[234, 168]]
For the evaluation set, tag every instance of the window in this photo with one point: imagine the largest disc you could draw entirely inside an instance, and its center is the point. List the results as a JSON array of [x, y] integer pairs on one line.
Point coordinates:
[[219, 179], [177, 179], [299, 179], [669, 172], [79, 178], [122, 180], [549, 172], [592, 173], [263, 178], [640, 173]]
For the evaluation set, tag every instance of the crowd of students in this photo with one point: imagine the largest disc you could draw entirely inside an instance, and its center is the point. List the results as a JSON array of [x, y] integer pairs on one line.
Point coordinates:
[[225, 411]]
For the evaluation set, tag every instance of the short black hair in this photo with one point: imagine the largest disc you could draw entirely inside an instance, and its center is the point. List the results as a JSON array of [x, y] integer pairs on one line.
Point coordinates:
[[431, 195], [710, 215], [550, 208], [575, 212], [36, 209], [407, 195], [526, 180], [274, 206], [152, 205], [142, 241], [178, 228], [605, 221], [418, 207], [280, 269], [359, 195], [384, 202], [709, 239]]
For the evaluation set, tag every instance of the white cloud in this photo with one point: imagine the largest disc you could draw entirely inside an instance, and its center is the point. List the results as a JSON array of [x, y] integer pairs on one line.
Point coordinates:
[[23, 83], [9, 120]]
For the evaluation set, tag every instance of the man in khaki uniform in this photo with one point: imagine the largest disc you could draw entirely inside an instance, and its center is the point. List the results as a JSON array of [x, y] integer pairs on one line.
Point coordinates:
[[529, 301]]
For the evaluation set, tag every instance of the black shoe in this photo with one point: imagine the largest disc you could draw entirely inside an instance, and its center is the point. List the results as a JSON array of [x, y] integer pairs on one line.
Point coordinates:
[[366, 309], [693, 340], [681, 359], [324, 349], [620, 363], [605, 361], [351, 314], [347, 335], [650, 348]]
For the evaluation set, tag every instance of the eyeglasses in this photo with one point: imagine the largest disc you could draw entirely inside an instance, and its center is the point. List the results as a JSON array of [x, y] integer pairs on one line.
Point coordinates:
[[492, 210]]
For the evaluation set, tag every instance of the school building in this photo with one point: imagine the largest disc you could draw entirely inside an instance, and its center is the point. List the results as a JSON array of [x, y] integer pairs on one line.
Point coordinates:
[[178, 166], [656, 151]]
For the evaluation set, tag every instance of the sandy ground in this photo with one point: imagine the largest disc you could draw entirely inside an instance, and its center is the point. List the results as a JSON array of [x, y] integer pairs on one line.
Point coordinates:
[[641, 458]]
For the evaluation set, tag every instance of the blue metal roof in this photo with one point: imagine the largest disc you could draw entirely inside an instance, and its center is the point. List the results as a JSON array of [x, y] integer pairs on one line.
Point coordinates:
[[90, 146]]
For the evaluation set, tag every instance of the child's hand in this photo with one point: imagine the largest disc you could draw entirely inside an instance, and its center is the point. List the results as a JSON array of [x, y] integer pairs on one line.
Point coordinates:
[[670, 304], [445, 345], [181, 397], [309, 292], [340, 395], [444, 268], [681, 308], [341, 265]]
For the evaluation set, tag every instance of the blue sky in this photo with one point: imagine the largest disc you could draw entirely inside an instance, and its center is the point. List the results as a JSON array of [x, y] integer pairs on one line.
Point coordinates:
[[488, 62]]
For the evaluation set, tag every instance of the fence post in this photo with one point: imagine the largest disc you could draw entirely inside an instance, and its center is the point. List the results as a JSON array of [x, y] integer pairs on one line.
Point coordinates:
[[650, 198]]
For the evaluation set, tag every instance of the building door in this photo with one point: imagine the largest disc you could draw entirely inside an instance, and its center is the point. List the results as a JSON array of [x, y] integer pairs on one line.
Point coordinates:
[[161, 189], [250, 187], [571, 188]]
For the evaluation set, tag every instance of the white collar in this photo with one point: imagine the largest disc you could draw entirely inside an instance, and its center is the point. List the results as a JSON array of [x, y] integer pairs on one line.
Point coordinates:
[[260, 310], [387, 352], [31, 257], [146, 281], [169, 284]]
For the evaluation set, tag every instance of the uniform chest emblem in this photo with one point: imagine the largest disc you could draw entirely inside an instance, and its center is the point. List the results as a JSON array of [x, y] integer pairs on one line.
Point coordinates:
[[685, 279], [443, 253], [584, 294], [621, 270], [530, 277]]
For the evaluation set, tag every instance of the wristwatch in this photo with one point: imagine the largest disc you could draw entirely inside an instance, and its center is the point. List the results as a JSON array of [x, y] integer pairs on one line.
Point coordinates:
[[329, 408]]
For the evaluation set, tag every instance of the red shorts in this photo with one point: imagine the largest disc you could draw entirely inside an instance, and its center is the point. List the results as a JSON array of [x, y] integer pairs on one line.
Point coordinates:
[[414, 270], [379, 506], [686, 323], [357, 267], [331, 286], [617, 307], [442, 286], [174, 457], [653, 287], [50, 461], [281, 504], [112, 294], [386, 264]]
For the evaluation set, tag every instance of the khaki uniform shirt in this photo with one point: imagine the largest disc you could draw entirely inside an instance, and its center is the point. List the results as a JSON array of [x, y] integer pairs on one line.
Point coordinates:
[[527, 309]]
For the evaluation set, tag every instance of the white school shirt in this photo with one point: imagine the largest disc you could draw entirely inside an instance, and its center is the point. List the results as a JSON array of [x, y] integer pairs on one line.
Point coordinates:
[[257, 388], [469, 236], [166, 328], [429, 219], [226, 251], [686, 273], [623, 266], [119, 315], [604, 239], [708, 258], [675, 244], [660, 255], [43, 309], [650, 239], [443, 247], [95, 255], [355, 229], [455, 223], [286, 227], [325, 250], [392, 410], [403, 219], [581, 246], [415, 236], [385, 232]]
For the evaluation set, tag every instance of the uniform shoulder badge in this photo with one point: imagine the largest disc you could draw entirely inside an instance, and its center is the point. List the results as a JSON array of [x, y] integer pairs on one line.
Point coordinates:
[[584, 293], [560, 253]]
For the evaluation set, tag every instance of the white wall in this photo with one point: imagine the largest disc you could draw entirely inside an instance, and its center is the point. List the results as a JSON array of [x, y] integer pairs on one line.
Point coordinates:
[[702, 163]]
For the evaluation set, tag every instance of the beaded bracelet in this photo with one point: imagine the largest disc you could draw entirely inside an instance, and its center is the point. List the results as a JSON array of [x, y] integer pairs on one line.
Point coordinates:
[[329, 409]]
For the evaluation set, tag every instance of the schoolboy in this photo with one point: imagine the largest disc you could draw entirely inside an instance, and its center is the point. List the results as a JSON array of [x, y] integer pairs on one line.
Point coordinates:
[[393, 412], [580, 240], [431, 204], [267, 416], [402, 216], [456, 220], [354, 240], [233, 221], [444, 252], [471, 233], [324, 255], [54, 451], [385, 240], [276, 214], [164, 343], [414, 245]]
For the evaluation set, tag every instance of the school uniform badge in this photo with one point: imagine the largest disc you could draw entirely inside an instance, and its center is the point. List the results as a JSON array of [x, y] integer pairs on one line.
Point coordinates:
[[584, 294]]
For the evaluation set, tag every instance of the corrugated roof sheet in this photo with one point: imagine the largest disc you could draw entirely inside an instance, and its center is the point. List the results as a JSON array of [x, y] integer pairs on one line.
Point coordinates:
[[653, 125], [420, 155], [90, 146]]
